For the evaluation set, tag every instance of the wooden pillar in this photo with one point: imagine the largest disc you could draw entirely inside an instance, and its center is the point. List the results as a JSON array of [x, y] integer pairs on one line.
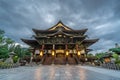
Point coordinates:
[[72, 40], [43, 46], [66, 50], [42, 50], [66, 46], [76, 46], [53, 53], [33, 51], [85, 51], [67, 53], [53, 49], [33, 55], [53, 46]]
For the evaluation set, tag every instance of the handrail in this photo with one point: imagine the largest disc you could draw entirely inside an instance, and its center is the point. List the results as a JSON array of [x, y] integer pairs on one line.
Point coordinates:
[[76, 59], [43, 59]]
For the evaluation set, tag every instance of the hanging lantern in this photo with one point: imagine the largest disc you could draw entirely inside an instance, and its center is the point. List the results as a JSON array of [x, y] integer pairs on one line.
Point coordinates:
[[67, 53], [41, 53], [78, 53], [53, 52]]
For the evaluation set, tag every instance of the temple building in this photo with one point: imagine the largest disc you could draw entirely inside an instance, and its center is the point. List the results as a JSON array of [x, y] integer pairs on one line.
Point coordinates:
[[60, 45]]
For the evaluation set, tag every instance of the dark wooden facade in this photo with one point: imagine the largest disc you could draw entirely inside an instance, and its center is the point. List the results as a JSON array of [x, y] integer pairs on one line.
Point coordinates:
[[60, 39]]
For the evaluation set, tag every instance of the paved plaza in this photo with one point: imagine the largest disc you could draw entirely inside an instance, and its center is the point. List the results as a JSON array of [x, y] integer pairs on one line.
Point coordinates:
[[59, 72]]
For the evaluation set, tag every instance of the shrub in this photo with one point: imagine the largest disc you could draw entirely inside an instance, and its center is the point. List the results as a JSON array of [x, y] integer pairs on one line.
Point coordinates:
[[15, 59], [7, 65]]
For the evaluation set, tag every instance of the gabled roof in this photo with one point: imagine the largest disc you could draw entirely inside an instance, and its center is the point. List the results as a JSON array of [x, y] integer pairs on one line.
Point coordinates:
[[60, 30], [59, 25], [79, 36], [88, 50], [82, 31], [89, 42], [32, 43], [43, 31], [59, 33]]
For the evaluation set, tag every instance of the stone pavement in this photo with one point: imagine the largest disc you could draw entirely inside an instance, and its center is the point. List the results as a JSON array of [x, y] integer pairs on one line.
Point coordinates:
[[57, 72], [110, 72]]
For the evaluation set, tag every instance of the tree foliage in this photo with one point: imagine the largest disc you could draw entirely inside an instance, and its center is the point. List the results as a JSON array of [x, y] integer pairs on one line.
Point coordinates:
[[7, 45], [3, 45], [116, 50], [4, 52], [116, 56], [90, 55]]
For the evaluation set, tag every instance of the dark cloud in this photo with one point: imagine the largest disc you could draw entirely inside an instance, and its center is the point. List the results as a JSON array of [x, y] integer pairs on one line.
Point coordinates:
[[101, 17]]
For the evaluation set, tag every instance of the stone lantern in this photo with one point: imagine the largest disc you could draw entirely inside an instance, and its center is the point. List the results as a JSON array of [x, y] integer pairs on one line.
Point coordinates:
[[10, 60]]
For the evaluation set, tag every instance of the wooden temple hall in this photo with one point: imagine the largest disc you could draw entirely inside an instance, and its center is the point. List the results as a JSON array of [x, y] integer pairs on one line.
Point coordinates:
[[59, 45]]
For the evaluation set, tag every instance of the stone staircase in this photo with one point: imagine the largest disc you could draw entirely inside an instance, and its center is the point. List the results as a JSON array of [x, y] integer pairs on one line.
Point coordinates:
[[47, 60], [60, 60], [71, 61]]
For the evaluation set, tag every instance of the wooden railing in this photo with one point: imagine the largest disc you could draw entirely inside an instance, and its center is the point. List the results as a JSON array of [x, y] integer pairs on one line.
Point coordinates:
[[43, 59], [77, 59]]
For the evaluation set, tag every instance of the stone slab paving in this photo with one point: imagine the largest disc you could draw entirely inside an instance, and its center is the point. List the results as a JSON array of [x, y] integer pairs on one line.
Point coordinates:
[[110, 72], [55, 72]]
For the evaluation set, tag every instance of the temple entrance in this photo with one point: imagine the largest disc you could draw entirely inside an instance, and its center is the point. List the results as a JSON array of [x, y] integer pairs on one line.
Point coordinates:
[[60, 55], [60, 58], [60, 51]]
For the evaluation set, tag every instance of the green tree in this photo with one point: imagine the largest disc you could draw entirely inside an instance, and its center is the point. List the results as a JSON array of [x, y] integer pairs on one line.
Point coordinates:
[[100, 56], [21, 52], [116, 57], [90, 55], [4, 52], [7, 45], [116, 50], [4, 45]]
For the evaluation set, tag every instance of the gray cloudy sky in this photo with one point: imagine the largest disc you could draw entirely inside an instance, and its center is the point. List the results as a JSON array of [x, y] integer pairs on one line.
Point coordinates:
[[101, 17]]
